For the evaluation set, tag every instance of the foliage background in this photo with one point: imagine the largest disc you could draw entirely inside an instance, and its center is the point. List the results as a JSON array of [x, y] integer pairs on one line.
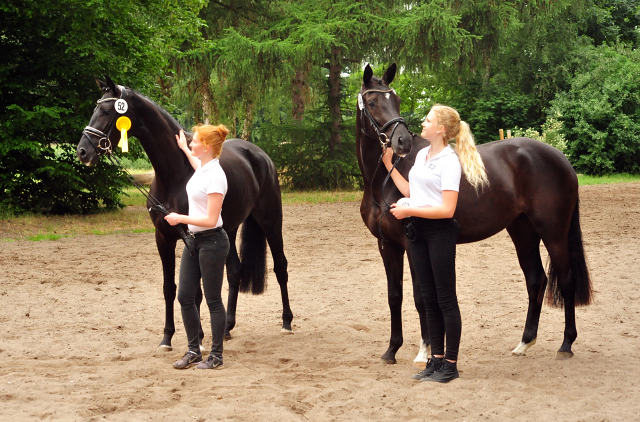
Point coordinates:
[[284, 74]]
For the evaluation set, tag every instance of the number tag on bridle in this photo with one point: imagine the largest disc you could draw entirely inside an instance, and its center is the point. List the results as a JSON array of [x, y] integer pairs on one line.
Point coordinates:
[[360, 102], [121, 106]]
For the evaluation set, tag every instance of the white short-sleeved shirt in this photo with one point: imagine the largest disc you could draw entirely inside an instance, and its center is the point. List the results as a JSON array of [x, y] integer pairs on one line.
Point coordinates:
[[207, 179], [427, 179]]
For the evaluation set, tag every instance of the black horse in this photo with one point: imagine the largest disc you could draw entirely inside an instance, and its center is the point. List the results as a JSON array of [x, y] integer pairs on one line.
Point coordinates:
[[253, 198], [532, 192]]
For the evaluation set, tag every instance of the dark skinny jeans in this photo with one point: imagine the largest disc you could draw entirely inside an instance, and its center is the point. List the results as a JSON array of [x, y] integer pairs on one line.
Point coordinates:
[[208, 265], [432, 248]]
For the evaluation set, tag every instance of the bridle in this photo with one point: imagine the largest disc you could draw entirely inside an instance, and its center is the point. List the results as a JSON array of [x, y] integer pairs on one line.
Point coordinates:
[[385, 142], [104, 136]]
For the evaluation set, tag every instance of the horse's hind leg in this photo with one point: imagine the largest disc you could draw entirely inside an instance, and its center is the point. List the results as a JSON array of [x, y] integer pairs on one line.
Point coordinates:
[[273, 233], [527, 243], [558, 249], [233, 277]]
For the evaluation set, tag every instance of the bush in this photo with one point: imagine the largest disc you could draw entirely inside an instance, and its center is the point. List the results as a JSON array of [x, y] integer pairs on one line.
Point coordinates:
[[601, 112], [551, 133]]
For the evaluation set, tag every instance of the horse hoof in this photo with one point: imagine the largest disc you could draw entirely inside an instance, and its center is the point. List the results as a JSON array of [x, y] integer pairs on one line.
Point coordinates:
[[564, 355], [202, 348], [227, 336], [285, 331], [388, 361], [165, 347]]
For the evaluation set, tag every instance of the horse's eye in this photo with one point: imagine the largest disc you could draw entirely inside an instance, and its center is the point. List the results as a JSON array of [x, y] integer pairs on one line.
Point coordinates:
[[371, 104]]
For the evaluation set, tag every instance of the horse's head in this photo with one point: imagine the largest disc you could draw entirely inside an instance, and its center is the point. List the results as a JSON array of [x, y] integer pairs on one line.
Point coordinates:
[[379, 111], [99, 137]]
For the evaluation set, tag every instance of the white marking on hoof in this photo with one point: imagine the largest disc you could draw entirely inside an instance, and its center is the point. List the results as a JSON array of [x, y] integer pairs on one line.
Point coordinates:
[[423, 354], [285, 331], [523, 347], [165, 347]]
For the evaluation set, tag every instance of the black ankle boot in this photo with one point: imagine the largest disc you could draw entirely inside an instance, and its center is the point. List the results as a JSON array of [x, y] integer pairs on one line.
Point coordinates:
[[433, 364], [447, 372]]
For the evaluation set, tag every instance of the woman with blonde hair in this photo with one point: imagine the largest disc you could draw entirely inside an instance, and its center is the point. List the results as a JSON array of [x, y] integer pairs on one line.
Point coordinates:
[[206, 191], [433, 186]]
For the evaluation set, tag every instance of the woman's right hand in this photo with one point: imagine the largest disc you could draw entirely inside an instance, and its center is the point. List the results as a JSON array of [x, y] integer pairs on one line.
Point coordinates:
[[182, 141]]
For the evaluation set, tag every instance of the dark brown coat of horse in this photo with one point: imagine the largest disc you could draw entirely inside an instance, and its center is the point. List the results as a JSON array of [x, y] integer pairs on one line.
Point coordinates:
[[253, 198], [532, 192]]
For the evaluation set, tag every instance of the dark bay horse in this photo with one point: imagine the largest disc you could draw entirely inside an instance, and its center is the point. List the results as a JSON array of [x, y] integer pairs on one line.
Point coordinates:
[[532, 192], [253, 198]]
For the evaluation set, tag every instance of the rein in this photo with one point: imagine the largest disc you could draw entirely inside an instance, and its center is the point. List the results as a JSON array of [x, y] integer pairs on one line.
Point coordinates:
[[189, 237]]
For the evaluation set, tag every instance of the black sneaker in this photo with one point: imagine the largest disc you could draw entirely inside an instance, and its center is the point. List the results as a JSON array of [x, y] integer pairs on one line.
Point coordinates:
[[212, 362], [447, 372], [189, 359], [433, 364]]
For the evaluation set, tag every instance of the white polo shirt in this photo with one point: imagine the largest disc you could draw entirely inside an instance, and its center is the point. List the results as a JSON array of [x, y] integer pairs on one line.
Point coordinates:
[[207, 179], [427, 179]]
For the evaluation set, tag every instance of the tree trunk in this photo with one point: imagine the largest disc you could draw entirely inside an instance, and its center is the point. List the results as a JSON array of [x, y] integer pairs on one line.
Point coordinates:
[[334, 98], [298, 92], [206, 100], [248, 120]]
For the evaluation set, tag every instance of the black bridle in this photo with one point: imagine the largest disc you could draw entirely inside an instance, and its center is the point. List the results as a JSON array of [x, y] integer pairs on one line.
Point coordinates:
[[385, 142], [108, 151], [380, 130]]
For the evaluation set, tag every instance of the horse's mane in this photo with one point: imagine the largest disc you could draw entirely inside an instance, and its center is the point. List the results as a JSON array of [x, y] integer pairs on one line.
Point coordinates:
[[161, 110]]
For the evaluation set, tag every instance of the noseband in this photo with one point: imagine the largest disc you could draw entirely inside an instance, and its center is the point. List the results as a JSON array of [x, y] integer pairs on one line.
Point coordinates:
[[382, 137], [103, 136]]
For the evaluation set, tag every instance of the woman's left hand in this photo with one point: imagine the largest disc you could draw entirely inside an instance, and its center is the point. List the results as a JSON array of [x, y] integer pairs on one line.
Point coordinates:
[[173, 218], [400, 211]]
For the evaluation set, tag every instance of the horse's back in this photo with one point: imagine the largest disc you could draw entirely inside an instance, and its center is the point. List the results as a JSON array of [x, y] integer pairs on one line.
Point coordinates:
[[525, 175]]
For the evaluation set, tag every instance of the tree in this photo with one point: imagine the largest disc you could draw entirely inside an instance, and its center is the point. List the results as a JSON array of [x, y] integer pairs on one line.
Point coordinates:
[[601, 111], [49, 53]]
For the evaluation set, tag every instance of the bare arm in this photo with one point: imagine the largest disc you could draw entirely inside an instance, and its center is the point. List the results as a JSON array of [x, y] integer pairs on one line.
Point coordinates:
[[182, 143], [401, 183], [214, 205], [446, 210]]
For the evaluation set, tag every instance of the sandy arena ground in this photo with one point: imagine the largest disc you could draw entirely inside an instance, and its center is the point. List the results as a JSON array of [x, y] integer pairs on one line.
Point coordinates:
[[81, 318]]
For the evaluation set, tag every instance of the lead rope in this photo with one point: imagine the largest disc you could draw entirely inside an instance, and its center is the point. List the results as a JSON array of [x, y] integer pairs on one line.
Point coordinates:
[[187, 238]]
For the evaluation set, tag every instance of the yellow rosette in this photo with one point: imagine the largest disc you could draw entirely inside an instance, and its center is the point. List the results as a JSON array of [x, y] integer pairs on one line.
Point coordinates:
[[123, 124]]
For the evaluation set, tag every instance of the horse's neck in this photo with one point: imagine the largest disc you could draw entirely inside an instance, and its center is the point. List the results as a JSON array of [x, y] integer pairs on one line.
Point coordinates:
[[370, 164], [156, 133]]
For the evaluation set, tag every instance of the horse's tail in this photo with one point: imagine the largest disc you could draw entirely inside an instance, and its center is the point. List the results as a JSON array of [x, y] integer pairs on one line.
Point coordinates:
[[578, 271], [253, 256]]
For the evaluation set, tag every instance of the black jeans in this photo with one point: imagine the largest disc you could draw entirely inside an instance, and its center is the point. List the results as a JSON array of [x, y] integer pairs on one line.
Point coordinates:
[[432, 248], [208, 265]]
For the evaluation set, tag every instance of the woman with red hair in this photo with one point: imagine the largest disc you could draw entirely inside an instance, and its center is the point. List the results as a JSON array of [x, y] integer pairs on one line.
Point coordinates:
[[206, 191]]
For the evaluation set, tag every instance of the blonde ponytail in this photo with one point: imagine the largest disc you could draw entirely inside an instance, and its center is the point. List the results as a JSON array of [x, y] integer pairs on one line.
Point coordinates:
[[470, 160], [465, 147]]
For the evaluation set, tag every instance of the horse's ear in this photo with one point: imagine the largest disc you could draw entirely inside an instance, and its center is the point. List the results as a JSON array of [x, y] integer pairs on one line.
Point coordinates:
[[102, 85], [368, 74], [111, 85], [389, 74]]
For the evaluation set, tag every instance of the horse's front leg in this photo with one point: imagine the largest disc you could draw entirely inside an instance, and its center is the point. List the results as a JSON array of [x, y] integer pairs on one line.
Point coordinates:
[[425, 347], [167, 250], [393, 259]]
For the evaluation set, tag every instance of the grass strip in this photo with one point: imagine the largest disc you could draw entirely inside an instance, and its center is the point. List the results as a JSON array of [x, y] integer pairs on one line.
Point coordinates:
[[135, 218]]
